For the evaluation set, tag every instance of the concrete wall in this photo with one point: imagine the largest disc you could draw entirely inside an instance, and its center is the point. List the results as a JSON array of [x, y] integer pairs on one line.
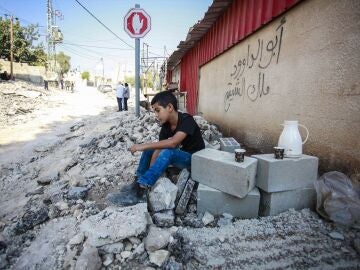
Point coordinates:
[[24, 71], [305, 66]]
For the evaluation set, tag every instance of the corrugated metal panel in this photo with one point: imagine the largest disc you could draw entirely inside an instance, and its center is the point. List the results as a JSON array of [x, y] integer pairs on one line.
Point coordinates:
[[225, 23]]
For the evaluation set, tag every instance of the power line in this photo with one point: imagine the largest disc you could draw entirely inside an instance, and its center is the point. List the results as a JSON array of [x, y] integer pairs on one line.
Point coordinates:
[[100, 47], [21, 19], [103, 24], [97, 53], [78, 54]]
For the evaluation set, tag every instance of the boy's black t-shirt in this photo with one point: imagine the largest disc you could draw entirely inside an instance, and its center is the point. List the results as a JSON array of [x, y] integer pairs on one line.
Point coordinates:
[[193, 142]]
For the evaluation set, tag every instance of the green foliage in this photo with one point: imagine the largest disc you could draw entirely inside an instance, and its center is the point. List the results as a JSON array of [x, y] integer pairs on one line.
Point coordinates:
[[23, 39], [85, 75], [64, 62], [130, 80]]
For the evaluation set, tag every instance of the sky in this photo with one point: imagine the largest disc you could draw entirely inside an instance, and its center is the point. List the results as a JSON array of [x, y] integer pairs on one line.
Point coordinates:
[[170, 22]]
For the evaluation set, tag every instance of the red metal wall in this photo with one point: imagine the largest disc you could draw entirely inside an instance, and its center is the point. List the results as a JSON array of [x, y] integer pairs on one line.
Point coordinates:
[[242, 18]]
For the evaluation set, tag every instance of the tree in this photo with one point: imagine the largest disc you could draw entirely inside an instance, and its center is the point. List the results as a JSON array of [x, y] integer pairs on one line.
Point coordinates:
[[23, 48], [64, 62], [130, 80], [85, 75]]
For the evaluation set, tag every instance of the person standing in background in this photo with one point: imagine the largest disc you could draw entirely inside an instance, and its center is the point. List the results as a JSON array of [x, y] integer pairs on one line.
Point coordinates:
[[126, 96], [119, 95], [46, 80]]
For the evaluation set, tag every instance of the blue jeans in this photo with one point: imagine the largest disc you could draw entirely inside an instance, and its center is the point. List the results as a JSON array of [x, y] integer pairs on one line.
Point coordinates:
[[147, 175]]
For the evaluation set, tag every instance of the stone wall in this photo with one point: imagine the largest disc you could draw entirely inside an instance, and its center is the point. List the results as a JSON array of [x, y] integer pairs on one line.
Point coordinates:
[[24, 71], [302, 66]]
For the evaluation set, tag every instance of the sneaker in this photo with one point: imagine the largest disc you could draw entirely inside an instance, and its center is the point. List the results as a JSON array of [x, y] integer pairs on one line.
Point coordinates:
[[134, 187], [131, 194]]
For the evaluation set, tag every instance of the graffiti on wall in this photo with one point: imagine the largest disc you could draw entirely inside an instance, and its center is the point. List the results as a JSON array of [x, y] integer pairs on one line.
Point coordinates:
[[259, 58]]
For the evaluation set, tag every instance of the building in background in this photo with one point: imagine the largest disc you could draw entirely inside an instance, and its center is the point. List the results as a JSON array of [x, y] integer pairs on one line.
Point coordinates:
[[249, 65]]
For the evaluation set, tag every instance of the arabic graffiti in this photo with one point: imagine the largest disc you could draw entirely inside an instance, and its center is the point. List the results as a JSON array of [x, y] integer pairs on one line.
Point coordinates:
[[266, 53]]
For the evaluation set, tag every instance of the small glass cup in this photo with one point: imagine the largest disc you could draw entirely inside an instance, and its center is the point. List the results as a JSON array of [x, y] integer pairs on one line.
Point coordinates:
[[279, 152], [239, 155]]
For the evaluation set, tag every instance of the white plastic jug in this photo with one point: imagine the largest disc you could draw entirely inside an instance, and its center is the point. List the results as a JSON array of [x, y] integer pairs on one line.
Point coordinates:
[[290, 139]]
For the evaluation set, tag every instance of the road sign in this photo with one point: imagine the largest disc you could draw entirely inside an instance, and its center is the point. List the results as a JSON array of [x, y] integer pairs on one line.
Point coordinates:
[[137, 23]]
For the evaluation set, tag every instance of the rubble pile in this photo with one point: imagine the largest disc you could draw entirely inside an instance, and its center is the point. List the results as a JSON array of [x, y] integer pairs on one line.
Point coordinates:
[[71, 177], [20, 98], [55, 214]]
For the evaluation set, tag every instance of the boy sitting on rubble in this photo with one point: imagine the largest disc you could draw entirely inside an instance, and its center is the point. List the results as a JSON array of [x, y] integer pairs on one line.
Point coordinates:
[[179, 138]]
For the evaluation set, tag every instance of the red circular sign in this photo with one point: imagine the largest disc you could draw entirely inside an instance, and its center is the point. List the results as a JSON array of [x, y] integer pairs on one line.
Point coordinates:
[[137, 23]]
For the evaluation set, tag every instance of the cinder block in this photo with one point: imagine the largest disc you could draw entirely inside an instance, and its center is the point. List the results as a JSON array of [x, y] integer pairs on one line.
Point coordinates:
[[185, 197], [217, 202], [229, 144], [275, 175], [181, 182], [277, 202], [218, 169]]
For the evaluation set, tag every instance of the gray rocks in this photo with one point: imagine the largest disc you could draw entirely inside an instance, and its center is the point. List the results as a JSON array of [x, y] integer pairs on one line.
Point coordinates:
[[2, 243], [43, 181], [77, 180], [193, 220], [35, 212], [336, 235], [108, 259], [62, 205], [207, 218], [140, 249], [165, 218], [3, 261], [37, 191], [104, 144], [76, 193], [44, 251], [77, 239], [225, 219], [125, 254], [172, 264], [163, 194], [114, 248], [159, 257], [156, 239], [356, 244], [114, 224], [89, 259], [47, 177]]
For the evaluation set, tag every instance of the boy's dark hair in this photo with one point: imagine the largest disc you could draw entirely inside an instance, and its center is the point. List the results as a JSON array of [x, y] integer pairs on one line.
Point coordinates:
[[165, 98], [126, 85]]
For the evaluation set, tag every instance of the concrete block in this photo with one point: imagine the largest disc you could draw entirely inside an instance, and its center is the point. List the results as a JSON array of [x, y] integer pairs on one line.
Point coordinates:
[[185, 197], [277, 202], [181, 182], [275, 175], [228, 144], [217, 202], [218, 169]]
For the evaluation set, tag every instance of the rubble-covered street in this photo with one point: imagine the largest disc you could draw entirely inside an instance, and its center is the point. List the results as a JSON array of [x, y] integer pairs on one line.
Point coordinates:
[[63, 155]]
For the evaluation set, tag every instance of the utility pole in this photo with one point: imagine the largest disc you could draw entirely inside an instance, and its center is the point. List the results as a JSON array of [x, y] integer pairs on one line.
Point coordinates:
[[11, 45], [49, 37]]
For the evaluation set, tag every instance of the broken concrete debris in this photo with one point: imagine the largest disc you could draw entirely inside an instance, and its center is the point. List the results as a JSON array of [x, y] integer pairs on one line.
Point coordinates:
[[88, 234]]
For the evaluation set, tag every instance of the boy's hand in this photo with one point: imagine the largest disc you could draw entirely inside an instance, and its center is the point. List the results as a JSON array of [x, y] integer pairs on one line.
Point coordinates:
[[134, 148]]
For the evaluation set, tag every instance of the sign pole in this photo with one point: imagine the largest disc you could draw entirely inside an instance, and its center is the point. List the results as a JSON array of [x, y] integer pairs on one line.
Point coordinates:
[[137, 73], [137, 23]]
